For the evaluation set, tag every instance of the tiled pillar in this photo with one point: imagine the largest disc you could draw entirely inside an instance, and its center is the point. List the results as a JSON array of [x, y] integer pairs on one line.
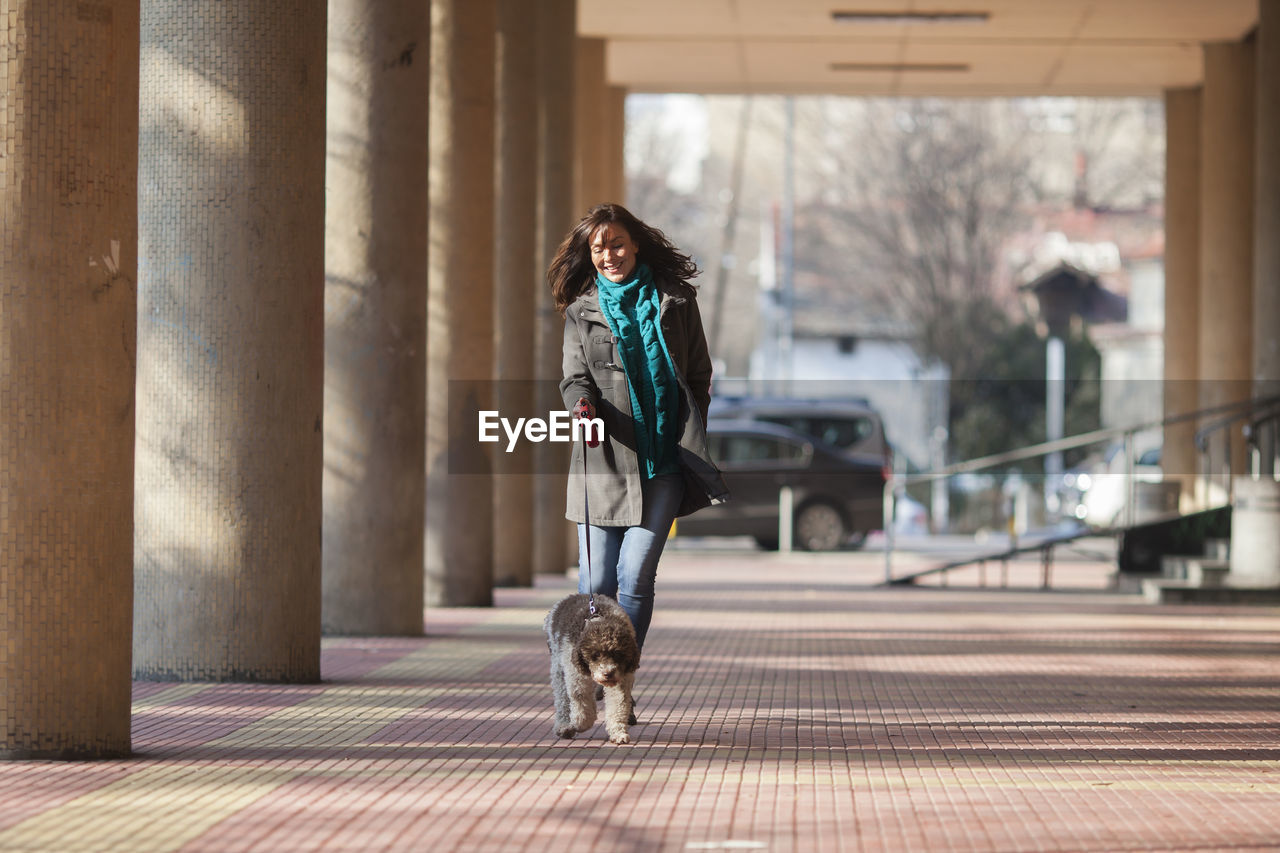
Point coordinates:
[[68, 265], [1226, 232], [1181, 283], [517, 281], [230, 340], [593, 133], [615, 162], [556, 51], [375, 316], [460, 327], [1266, 246], [601, 127]]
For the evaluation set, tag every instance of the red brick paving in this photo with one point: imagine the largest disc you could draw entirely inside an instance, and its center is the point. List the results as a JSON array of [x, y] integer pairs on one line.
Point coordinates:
[[786, 705]]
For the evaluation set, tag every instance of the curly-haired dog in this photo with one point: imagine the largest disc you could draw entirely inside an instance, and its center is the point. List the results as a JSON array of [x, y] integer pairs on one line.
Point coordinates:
[[589, 651]]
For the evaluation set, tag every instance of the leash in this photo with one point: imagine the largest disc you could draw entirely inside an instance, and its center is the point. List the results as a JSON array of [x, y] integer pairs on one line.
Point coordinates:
[[581, 411]]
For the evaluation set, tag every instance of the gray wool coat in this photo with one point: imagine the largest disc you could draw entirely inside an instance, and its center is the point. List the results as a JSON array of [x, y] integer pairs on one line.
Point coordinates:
[[593, 369]]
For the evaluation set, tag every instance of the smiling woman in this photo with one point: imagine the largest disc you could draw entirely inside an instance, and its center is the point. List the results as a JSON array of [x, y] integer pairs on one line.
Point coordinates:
[[635, 356], [613, 253]]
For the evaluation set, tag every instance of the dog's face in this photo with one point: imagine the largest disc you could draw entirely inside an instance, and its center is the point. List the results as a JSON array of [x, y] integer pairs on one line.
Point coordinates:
[[607, 652], [604, 670]]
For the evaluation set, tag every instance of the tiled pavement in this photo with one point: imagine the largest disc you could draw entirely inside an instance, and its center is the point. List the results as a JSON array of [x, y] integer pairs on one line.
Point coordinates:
[[785, 705]]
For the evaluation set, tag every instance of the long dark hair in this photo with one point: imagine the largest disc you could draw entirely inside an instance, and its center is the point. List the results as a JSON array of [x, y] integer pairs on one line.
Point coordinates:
[[571, 271]]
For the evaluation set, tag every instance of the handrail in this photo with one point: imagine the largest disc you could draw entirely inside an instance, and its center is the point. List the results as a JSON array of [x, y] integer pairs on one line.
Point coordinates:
[[1253, 438], [1269, 407], [1234, 411], [1082, 440], [1264, 417]]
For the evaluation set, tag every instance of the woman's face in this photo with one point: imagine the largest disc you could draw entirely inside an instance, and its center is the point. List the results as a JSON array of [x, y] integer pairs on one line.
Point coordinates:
[[613, 252]]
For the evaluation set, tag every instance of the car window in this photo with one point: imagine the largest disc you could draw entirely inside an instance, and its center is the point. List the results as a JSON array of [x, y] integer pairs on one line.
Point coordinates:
[[740, 449], [842, 432]]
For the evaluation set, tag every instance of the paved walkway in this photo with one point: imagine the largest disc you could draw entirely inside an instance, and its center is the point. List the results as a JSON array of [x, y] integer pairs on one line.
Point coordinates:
[[785, 705]]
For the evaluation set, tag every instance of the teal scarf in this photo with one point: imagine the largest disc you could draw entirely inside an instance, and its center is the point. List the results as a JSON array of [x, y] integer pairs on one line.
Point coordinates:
[[632, 309]]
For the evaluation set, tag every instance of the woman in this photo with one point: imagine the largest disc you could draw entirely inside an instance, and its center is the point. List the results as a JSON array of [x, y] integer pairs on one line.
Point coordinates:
[[635, 355]]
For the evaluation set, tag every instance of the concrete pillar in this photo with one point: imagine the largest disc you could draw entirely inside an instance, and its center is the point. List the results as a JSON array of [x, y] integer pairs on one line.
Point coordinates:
[[556, 215], [460, 332], [1226, 231], [517, 281], [230, 340], [1255, 534], [375, 317], [1266, 225], [1181, 283], [615, 153], [68, 265], [601, 129], [592, 131]]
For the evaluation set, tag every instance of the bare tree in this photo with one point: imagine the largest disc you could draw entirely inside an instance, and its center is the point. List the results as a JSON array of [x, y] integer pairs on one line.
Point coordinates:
[[1119, 152], [905, 207], [919, 201], [656, 150]]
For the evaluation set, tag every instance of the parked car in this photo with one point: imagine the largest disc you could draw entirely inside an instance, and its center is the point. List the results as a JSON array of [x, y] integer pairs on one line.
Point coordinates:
[[837, 496], [852, 427]]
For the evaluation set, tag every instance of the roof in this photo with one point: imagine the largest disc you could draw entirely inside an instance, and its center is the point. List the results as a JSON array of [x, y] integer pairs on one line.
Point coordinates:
[[1005, 48], [1065, 291]]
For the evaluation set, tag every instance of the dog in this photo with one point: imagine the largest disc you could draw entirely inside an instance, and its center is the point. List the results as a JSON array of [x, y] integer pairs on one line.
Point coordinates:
[[587, 651]]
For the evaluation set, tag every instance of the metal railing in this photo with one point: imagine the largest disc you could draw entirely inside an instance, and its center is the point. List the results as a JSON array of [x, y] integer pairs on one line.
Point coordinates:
[[1262, 436], [1259, 432], [1262, 415]]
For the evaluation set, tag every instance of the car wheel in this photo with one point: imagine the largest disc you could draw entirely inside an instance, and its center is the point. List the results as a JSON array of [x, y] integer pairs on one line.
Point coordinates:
[[767, 544], [819, 527]]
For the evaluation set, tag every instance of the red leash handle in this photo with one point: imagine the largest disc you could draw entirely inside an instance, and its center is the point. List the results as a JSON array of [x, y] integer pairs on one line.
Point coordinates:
[[582, 410]]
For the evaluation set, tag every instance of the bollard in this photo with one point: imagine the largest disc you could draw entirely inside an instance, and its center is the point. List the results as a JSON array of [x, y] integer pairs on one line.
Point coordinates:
[[785, 500], [887, 511]]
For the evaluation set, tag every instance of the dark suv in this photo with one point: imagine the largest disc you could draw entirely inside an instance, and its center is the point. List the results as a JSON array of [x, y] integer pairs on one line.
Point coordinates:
[[837, 496], [851, 426]]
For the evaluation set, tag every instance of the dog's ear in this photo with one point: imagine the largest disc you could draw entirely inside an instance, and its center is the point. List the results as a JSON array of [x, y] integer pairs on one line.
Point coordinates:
[[581, 662]]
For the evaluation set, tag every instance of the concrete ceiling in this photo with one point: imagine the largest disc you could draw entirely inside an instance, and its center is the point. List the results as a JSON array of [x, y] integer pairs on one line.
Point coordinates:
[[1024, 47]]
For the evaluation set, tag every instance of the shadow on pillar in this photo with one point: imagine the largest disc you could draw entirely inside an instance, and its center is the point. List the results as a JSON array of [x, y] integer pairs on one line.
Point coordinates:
[[375, 318], [230, 342]]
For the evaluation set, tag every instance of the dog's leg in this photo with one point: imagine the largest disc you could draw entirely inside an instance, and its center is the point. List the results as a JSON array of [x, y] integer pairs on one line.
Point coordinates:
[[617, 708], [559, 690], [579, 693], [582, 700], [628, 683]]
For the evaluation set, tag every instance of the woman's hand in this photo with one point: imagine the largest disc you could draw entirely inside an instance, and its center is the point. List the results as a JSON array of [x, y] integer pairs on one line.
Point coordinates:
[[584, 409]]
